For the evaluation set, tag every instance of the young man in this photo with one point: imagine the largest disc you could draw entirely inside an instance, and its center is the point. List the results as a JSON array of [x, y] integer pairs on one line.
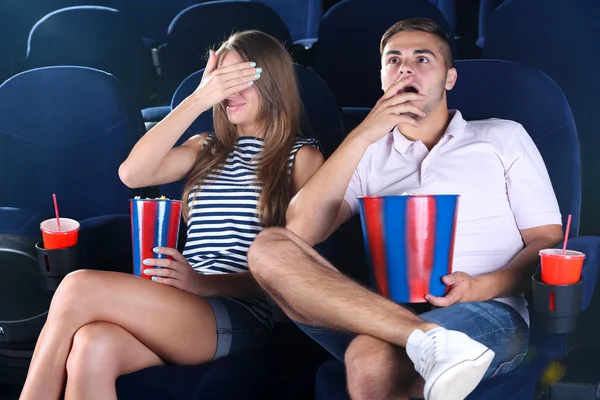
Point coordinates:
[[411, 142]]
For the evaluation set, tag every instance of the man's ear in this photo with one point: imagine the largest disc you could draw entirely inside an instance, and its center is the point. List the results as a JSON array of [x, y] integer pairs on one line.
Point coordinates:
[[451, 77]]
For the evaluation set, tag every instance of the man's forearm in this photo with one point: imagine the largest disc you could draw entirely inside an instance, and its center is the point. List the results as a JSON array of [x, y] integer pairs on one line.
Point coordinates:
[[313, 210], [515, 278]]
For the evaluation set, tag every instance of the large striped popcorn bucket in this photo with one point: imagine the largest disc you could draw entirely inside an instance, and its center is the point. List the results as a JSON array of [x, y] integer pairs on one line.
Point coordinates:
[[409, 242], [154, 222]]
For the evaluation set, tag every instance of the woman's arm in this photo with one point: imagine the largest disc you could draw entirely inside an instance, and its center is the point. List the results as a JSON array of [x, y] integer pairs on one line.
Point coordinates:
[[153, 160]]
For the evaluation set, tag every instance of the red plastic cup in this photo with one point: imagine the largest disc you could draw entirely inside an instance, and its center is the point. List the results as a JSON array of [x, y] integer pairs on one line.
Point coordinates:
[[561, 269], [55, 238]]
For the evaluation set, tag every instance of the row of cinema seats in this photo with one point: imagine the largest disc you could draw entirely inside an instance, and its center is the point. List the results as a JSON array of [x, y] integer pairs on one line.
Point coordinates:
[[84, 126], [345, 54], [78, 36], [151, 18]]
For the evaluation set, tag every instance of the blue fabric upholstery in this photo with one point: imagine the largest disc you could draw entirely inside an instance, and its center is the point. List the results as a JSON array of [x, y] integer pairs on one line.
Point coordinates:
[[486, 89], [66, 130], [22, 222], [155, 114], [200, 27], [106, 243], [241, 376], [302, 17], [95, 37], [353, 116], [486, 8], [570, 28], [347, 53], [448, 10], [152, 17], [18, 16], [324, 118]]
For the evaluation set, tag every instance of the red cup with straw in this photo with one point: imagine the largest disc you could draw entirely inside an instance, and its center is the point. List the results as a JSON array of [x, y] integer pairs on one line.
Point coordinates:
[[58, 233], [561, 266]]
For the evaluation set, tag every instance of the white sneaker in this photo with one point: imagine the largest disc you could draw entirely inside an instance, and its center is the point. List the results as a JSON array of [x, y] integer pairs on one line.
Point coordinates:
[[451, 363]]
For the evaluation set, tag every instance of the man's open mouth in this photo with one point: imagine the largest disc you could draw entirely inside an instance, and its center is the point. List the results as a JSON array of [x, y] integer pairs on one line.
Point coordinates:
[[408, 89]]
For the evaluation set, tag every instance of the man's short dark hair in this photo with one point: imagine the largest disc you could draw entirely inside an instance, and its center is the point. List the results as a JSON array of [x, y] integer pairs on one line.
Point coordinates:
[[422, 25]]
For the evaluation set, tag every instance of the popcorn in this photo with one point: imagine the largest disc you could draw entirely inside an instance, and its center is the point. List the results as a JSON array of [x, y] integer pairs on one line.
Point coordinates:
[[148, 198]]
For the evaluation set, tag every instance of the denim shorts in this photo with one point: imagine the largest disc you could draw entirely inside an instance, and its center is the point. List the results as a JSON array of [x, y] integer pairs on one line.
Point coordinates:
[[238, 330], [493, 324]]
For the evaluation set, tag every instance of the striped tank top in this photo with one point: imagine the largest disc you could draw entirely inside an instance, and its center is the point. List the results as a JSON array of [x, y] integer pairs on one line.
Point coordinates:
[[223, 219]]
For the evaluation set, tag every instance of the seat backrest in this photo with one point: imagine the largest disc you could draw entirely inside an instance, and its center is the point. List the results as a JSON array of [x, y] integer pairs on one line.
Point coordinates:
[[486, 8], [152, 17], [201, 27], [561, 41], [565, 28], [302, 17], [17, 17], [486, 89], [90, 36], [347, 53], [448, 8], [322, 119], [66, 130]]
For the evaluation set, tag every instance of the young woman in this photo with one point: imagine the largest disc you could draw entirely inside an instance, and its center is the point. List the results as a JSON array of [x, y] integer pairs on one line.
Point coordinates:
[[204, 304]]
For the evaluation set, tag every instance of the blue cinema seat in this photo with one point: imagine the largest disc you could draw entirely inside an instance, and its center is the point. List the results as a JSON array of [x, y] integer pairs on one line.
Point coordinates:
[[486, 89], [203, 26], [302, 17], [65, 130], [96, 37], [569, 28]]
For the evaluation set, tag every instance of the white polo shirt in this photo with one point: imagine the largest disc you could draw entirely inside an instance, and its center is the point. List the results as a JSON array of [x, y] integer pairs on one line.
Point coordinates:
[[496, 169]]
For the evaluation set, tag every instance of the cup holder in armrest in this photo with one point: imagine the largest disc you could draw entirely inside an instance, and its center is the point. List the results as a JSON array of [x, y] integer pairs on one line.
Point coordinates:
[[557, 306]]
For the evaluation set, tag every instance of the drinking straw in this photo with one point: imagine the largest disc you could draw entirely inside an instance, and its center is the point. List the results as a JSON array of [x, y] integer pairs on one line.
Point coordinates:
[[56, 210], [567, 234]]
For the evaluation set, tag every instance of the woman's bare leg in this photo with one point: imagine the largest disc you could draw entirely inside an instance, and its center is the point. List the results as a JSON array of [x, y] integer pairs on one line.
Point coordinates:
[[152, 312], [102, 352]]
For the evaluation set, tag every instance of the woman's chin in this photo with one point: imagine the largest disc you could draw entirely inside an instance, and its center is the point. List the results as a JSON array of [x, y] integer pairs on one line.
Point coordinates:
[[239, 120]]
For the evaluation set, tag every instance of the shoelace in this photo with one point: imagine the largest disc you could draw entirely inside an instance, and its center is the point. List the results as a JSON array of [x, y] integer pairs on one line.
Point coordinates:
[[433, 351]]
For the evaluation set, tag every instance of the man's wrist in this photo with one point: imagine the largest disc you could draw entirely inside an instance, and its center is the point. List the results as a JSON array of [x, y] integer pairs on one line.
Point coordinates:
[[361, 136], [486, 286]]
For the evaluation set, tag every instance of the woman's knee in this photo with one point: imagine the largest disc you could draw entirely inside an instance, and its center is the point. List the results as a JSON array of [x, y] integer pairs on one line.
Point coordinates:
[[93, 352], [75, 293]]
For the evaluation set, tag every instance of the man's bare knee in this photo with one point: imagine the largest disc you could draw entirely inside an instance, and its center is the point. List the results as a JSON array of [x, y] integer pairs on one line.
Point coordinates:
[[264, 250]]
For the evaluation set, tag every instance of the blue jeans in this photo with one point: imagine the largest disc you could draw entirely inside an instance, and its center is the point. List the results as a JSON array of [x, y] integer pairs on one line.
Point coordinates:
[[237, 329], [491, 323]]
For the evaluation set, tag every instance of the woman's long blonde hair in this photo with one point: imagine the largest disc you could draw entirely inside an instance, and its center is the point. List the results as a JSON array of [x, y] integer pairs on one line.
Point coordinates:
[[279, 117]]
